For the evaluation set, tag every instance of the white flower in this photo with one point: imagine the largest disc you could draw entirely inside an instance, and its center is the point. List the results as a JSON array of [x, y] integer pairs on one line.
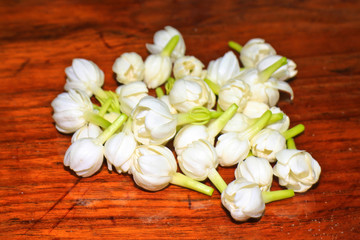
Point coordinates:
[[162, 37], [188, 134], [231, 149], [129, 67], [234, 91], [254, 51], [157, 70], [120, 148], [153, 167], [243, 199], [152, 121], [296, 169], [190, 92], [89, 130], [267, 143], [198, 159], [188, 66], [285, 72], [84, 75], [69, 109], [84, 156], [223, 69], [237, 123], [254, 109], [281, 125], [130, 95], [256, 170]]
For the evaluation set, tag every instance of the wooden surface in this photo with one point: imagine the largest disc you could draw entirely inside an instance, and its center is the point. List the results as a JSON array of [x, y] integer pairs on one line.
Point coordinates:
[[39, 198]]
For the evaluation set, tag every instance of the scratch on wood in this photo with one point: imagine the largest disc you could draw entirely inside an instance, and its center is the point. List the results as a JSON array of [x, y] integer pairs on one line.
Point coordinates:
[[101, 35], [62, 218], [189, 201], [54, 205], [22, 66]]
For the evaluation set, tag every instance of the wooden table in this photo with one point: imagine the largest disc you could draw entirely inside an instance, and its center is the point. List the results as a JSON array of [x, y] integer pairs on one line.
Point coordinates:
[[39, 198]]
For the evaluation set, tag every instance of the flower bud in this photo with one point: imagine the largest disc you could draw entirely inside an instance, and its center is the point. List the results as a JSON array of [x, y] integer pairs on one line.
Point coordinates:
[[231, 149], [282, 125], [129, 67], [130, 95], [188, 66], [166, 100], [254, 109], [157, 70], [162, 37], [234, 91], [237, 123], [197, 159], [84, 75], [69, 109], [256, 170], [153, 167], [267, 143], [190, 92], [152, 122], [189, 134], [84, 156], [296, 169], [254, 51], [243, 200], [223, 69], [87, 131], [284, 73]]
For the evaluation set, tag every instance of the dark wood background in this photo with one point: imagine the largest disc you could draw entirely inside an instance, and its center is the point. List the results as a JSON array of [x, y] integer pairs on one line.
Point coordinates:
[[40, 198]]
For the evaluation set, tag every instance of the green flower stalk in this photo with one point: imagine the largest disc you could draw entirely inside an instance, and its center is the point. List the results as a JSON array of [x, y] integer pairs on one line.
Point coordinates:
[[184, 181], [170, 46], [266, 74], [197, 115], [294, 131], [235, 46], [277, 195], [213, 86], [169, 85], [96, 119], [159, 92]]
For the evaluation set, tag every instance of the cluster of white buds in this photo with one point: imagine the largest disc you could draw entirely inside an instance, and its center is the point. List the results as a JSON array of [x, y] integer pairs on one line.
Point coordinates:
[[223, 115]]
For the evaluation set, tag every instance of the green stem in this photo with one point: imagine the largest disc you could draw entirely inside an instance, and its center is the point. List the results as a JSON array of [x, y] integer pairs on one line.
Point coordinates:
[[234, 45], [277, 195], [184, 181], [159, 92], [213, 86], [275, 117], [104, 107], [169, 85], [96, 107], [105, 135], [290, 143], [216, 114], [96, 119], [266, 73], [216, 126], [294, 131], [256, 127], [217, 180], [166, 52], [100, 94], [197, 115]]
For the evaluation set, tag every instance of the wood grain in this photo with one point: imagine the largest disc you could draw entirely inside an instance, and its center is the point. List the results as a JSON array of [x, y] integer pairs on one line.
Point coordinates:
[[41, 199]]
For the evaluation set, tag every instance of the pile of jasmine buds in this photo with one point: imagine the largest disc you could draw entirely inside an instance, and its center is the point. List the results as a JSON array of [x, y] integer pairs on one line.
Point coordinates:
[[223, 115]]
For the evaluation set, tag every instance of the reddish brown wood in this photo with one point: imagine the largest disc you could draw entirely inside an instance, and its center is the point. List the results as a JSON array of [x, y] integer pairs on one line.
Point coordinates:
[[39, 198]]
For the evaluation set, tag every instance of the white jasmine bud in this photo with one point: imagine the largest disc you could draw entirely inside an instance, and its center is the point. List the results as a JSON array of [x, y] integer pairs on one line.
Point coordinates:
[[70, 110], [223, 69], [254, 109], [256, 170], [129, 67], [267, 143], [152, 122], [162, 37], [254, 51], [166, 100], [157, 70], [284, 73], [130, 95], [190, 92], [238, 123], [154, 167], [296, 169], [199, 161], [84, 75], [120, 148], [243, 200], [188, 66], [89, 130], [234, 91], [281, 125]]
